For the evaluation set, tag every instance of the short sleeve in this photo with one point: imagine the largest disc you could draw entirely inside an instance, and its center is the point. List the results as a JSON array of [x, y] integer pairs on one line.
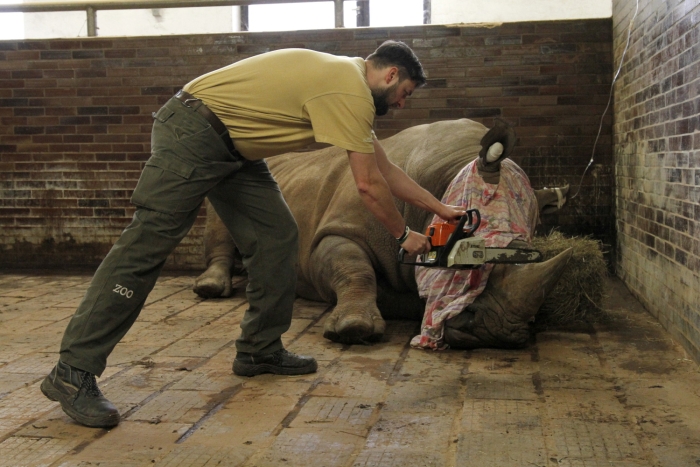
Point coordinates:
[[342, 120]]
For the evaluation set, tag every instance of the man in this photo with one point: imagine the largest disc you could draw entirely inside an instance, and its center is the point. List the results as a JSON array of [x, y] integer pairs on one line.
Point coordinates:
[[210, 140]]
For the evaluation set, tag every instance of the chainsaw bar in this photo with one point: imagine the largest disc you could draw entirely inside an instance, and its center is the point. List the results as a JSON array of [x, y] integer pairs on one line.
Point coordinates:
[[464, 251], [472, 252]]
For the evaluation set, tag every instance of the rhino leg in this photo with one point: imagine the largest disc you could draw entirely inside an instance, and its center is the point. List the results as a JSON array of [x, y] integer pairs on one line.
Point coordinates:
[[342, 273], [550, 200], [500, 316], [221, 256]]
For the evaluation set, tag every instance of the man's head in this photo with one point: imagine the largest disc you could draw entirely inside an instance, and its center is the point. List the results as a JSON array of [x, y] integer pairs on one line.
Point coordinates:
[[399, 55], [396, 72]]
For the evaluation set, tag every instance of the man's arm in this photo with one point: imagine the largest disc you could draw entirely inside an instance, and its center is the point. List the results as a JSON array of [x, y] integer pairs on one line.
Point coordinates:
[[377, 197], [406, 189]]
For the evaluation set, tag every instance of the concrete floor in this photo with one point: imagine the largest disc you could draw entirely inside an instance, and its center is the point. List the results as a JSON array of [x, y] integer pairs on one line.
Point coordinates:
[[618, 394]]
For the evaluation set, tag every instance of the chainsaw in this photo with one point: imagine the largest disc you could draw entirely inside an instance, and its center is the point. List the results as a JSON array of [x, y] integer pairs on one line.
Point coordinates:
[[456, 247]]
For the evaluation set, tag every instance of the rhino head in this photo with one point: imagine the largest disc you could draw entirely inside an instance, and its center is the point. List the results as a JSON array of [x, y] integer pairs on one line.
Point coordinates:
[[500, 316]]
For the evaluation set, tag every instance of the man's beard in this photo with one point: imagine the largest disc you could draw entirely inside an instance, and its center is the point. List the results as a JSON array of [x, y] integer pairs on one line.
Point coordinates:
[[381, 99]]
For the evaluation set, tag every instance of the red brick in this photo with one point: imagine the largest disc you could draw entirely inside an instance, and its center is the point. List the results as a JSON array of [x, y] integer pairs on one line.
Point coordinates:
[[131, 77], [22, 56]]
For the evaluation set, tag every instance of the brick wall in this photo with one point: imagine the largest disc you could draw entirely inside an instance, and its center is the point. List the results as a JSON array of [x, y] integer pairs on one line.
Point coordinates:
[[75, 119], [657, 161]]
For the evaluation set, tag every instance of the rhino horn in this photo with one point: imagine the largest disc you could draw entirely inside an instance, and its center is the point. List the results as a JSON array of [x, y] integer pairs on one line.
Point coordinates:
[[522, 288]]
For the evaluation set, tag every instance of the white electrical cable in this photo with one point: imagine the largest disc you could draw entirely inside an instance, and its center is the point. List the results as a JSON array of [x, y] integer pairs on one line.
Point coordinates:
[[612, 85]]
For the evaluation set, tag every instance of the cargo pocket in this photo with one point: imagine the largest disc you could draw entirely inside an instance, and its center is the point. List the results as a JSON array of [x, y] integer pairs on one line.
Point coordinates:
[[164, 185], [163, 114], [205, 144]]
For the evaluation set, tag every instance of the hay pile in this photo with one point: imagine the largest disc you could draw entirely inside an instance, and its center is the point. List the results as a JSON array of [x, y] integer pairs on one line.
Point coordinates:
[[578, 294]]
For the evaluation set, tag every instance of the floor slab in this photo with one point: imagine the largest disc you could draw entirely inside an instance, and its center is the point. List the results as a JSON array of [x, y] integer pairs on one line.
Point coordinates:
[[617, 393]]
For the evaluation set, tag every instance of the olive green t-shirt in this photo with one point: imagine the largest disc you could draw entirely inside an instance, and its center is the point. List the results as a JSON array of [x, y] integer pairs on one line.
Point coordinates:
[[285, 100]]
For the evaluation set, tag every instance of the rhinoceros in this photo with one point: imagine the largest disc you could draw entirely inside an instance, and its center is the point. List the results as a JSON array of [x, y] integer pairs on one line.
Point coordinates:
[[347, 258]]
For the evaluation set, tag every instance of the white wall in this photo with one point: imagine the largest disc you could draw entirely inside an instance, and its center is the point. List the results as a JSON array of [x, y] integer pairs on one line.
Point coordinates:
[[509, 11], [321, 15], [11, 25], [295, 16], [55, 24], [151, 22], [390, 13], [166, 21]]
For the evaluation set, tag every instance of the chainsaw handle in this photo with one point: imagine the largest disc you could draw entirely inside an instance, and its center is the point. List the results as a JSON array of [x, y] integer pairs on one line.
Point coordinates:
[[472, 226], [461, 231], [402, 253]]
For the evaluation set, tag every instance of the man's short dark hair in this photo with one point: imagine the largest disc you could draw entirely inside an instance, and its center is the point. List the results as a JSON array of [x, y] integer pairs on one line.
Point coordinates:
[[398, 54]]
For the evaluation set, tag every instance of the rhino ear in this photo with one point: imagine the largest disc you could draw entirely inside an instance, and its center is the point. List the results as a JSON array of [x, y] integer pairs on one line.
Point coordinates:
[[502, 133], [522, 288], [551, 200]]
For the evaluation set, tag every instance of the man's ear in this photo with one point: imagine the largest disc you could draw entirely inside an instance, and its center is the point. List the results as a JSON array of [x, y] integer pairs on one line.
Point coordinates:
[[391, 73]]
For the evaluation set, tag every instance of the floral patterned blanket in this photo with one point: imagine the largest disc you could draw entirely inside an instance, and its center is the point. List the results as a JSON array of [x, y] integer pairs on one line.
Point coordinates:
[[508, 212]]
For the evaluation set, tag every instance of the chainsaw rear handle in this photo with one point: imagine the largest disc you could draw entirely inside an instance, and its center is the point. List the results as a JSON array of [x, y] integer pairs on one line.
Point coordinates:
[[402, 253], [459, 233]]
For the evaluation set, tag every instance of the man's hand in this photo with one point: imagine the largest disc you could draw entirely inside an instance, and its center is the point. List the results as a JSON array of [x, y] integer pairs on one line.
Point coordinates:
[[451, 213], [416, 244]]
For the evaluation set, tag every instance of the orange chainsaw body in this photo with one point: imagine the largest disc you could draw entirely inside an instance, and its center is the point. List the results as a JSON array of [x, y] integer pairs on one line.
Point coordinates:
[[439, 233]]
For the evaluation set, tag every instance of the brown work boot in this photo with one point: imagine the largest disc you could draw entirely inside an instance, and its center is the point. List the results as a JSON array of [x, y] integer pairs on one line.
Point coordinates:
[[278, 363], [79, 396]]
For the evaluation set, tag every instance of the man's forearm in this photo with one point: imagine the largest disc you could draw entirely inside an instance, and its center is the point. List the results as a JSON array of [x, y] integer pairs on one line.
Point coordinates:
[[402, 186], [375, 193], [406, 189], [379, 202]]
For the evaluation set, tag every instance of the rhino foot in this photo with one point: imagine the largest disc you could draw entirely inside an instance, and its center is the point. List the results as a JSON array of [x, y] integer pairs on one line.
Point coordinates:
[[354, 326], [215, 282]]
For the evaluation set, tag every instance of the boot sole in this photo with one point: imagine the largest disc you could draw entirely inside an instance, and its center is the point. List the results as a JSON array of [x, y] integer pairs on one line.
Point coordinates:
[[51, 393], [252, 369]]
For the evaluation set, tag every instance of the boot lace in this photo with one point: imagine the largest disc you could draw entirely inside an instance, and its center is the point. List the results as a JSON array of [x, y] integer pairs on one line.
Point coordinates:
[[90, 385]]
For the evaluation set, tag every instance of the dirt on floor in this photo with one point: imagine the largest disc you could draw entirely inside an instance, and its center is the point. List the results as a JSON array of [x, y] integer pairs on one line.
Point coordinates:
[[616, 393]]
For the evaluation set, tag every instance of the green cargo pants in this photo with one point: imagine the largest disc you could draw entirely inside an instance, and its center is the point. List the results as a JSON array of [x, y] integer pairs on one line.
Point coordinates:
[[189, 162]]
